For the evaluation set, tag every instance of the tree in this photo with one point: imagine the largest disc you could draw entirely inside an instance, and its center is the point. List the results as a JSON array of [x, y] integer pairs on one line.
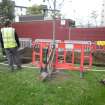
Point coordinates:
[[51, 4], [54, 6], [35, 9], [94, 15], [6, 10]]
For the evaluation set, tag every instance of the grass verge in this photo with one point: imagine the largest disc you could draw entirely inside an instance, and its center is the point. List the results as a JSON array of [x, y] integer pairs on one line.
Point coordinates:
[[24, 88]]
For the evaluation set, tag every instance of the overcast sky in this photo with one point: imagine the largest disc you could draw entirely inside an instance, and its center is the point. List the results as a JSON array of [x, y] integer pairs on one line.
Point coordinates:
[[76, 9]]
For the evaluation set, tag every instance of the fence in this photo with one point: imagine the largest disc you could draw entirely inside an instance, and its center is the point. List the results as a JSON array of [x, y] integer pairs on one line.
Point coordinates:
[[25, 42]]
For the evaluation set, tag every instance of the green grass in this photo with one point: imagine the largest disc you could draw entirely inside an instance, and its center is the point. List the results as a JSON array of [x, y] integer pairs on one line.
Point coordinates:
[[24, 88]]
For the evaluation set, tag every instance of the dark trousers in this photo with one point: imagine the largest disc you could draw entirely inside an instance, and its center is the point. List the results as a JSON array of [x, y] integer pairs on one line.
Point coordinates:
[[13, 57]]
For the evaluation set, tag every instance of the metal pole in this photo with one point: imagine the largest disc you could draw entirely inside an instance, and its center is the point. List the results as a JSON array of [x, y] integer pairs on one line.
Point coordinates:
[[69, 32], [54, 22]]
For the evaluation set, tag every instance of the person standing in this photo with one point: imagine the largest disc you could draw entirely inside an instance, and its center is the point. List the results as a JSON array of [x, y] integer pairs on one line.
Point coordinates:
[[9, 40]]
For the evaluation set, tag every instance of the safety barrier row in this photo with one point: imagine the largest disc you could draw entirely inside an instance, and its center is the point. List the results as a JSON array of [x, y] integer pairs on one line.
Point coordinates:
[[62, 49]]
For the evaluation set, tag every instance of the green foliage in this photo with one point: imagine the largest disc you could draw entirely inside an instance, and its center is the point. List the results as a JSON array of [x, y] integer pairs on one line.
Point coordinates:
[[41, 10], [35, 9], [6, 10]]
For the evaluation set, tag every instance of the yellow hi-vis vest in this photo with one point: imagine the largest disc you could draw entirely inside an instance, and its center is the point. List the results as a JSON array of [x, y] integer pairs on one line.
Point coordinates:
[[8, 37], [100, 43]]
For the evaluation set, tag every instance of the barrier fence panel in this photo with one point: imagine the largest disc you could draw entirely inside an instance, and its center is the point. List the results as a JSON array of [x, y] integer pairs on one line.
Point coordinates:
[[25, 42], [63, 51]]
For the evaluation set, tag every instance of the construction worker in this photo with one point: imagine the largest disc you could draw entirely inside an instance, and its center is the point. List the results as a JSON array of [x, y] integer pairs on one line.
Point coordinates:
[[9, 40]]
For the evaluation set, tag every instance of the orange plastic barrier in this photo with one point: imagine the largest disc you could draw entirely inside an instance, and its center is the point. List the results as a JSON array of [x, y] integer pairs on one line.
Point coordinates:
[[61, 54]]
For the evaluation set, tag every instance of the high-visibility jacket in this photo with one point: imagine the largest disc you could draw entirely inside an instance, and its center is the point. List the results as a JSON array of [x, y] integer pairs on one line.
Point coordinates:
[[100, 43], [8, 36]]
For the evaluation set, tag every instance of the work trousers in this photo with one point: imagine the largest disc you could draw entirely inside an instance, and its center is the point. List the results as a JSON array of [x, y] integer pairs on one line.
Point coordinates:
[[13, 57]]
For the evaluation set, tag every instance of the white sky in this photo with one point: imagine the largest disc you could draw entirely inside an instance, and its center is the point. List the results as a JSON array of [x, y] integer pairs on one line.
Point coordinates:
[[76, 9]]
